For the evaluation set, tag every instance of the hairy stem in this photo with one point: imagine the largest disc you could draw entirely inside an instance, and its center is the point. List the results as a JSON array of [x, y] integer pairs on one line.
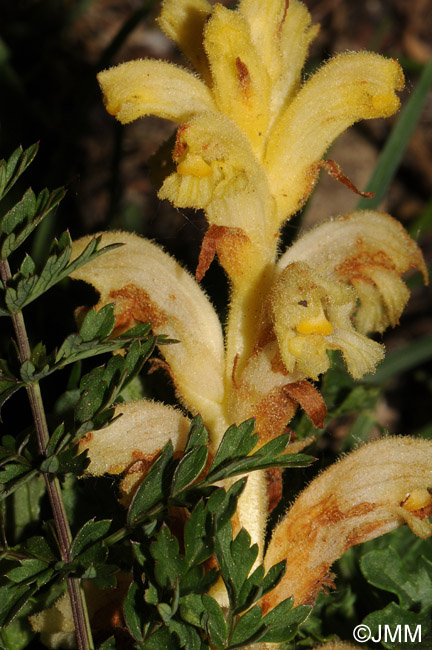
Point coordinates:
[[78, 604], [245, 316]]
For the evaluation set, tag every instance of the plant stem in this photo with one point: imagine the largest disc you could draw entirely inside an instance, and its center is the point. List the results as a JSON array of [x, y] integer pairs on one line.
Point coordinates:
[[78, 604]]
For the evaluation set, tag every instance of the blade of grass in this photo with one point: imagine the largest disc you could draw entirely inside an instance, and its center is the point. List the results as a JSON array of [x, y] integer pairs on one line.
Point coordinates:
[[397, 142], [402, 360]]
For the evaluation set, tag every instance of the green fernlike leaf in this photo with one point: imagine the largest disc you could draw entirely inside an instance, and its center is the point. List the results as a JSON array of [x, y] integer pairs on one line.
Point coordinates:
[[231, 458], [25, 217], [237, 441], [91, 533], [407, 624], [13, 477], [162, 638], [249, 629], [197, 436], [8, 386], [214, 621], [102, 386], [235, 558], [18, 635], [283, 622], [397, 628], [26, 286], [280, 625], [198, 535], [98, 324], [170, 565], [386, 570], [188, 637], [40, 548], [153, 489], [74, 348], [13, 597], [133, 610], [188, 470], [31, 571], [15, 166]]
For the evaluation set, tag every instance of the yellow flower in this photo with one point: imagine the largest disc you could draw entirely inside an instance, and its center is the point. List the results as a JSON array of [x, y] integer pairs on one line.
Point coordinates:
[[249, 149], [336, 273], [252, 136]]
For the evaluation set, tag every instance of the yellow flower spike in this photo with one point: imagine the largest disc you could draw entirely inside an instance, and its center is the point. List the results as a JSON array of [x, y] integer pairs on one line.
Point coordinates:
[[135, 438], [144, 87], [348, 88], [183, 22], [353, 501], [241, 85], [281, 32], [373, 250], [146, 284]]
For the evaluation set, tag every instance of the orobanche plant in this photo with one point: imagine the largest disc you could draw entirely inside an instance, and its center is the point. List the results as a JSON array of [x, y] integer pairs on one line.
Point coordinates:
[[248, 151]]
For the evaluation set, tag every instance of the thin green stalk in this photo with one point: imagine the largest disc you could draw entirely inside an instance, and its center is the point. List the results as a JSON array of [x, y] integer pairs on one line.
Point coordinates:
[[78, 604]]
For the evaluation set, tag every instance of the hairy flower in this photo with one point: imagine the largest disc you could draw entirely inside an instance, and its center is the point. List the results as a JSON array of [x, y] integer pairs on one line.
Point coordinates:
[[373, 251], [372, 491], [252, 136]]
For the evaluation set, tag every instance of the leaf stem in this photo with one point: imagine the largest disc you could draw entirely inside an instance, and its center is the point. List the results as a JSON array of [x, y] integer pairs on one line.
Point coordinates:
[[78, 604]]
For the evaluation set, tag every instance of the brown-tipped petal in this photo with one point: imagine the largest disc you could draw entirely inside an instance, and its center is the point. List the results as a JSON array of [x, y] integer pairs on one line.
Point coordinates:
[[310, 399], [146, 284], [231, 244], [135, 438], [357, 499]]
